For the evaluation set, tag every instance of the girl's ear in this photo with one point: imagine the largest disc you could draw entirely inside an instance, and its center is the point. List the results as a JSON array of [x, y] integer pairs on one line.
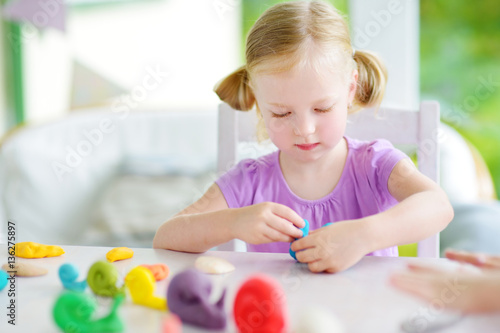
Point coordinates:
[[353, 85]]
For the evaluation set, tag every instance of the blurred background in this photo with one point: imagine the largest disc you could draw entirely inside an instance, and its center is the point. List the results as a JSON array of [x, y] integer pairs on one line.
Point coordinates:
[[113, 58]]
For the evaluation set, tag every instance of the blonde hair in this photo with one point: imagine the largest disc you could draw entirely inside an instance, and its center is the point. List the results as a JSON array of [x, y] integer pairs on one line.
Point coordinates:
[[281, 39]]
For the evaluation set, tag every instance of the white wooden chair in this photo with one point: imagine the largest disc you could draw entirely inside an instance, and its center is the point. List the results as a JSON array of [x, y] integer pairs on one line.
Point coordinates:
[[403, 128]]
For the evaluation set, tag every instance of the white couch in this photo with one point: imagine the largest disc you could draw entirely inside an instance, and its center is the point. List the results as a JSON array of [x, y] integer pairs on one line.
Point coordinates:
[[101, 178]]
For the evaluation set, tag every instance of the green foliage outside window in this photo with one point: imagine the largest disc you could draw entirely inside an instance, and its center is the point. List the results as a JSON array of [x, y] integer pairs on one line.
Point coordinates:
[[459, 50]]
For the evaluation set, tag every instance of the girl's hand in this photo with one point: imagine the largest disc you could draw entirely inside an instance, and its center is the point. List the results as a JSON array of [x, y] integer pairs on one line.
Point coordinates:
[[465, 292], [267, 222], [333, 248], [477, 259]]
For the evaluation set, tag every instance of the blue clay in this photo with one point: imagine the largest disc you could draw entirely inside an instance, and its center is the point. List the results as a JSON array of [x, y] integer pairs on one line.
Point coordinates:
[[3, 279], [68, 274], [305, 232]]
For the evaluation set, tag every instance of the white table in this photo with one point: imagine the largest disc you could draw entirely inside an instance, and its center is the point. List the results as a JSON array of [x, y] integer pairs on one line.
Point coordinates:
[[360, 297]]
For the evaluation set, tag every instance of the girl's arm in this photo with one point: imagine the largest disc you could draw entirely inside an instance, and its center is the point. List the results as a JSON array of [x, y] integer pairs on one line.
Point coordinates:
[[422, 211], [209, 222]]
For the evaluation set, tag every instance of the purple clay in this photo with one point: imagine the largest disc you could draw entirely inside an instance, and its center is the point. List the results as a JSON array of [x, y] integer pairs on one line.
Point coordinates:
[[188, 297]]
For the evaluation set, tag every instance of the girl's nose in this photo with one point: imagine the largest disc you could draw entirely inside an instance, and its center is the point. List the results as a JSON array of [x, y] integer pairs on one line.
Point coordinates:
[[304, 126]]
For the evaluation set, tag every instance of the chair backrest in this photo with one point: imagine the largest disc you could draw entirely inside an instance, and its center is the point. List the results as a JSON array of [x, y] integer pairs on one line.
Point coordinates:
[[403, 128]]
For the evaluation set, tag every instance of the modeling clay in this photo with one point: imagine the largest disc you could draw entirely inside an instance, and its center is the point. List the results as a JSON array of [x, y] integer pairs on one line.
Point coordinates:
[[25, 269], [160, 271], [188, 297], [318, 320], [141, 285], [119, 253], [213, 265], [33, 250], [102, 278], [73, 311], [260, 306], [68, 274], [3, 279], [305, 232], [171, 324]]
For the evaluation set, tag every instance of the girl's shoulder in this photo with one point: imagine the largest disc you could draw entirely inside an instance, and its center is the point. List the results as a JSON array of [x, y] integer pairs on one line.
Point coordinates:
[[261, 163], [240, 183], [254, 167], [376, 158], [374, 146]]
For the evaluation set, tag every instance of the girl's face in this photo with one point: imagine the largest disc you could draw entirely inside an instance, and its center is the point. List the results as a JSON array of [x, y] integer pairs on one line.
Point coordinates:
[[305, 113]]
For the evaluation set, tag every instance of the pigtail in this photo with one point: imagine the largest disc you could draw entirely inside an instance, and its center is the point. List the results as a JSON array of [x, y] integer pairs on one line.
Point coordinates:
[[372, 79], [235, 91]]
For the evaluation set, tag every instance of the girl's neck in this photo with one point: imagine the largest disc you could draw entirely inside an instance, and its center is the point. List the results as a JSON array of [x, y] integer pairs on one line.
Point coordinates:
[[314, 180]]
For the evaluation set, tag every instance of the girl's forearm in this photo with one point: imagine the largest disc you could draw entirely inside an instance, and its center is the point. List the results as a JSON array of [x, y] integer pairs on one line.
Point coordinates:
[[415, 218], [195, 232]]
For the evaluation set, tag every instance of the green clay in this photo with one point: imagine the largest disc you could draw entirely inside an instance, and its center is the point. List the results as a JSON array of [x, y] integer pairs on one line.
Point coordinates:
[[102, 278], [73, 311]]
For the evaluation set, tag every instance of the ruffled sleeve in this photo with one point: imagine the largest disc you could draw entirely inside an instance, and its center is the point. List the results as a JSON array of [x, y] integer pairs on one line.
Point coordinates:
[[380, 158], [239, 183]]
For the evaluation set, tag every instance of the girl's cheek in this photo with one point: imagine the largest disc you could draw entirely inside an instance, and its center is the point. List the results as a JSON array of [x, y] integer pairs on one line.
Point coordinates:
[[277, 127]]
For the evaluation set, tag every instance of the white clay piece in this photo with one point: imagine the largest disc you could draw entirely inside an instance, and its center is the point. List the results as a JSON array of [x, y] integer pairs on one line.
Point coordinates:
[[213, 265], [318, 320]]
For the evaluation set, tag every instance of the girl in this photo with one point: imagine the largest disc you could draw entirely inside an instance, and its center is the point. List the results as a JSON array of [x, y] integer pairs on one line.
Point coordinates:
[[303, 77]]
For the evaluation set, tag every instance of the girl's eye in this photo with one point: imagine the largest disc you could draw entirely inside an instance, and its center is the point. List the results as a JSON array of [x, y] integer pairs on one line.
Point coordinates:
[[324, 110], [280, 115]]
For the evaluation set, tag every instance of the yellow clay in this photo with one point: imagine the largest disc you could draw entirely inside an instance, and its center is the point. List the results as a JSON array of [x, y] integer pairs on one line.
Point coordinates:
[[119, 253], [32, 250], [141, 285]]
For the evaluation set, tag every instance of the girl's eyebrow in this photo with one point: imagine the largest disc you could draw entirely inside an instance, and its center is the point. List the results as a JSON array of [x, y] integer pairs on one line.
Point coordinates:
[[278, 104], [333, 97]]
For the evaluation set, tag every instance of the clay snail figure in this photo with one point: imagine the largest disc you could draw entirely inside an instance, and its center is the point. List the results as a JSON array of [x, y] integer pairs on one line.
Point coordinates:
[[141, 285], [188, 297], [260, 306], [102, 278], [73, 312], [68, 274]]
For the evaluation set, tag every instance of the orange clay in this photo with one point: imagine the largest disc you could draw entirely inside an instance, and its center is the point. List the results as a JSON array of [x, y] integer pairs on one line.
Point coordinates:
[[119, 253], [32, 250], [160, 271]]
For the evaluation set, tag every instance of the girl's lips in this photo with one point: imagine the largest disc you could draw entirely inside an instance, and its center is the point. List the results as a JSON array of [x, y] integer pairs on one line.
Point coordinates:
[[309, 146]]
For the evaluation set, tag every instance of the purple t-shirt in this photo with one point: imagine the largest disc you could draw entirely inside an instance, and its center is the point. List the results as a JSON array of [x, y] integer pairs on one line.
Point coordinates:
[[361, 191]]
